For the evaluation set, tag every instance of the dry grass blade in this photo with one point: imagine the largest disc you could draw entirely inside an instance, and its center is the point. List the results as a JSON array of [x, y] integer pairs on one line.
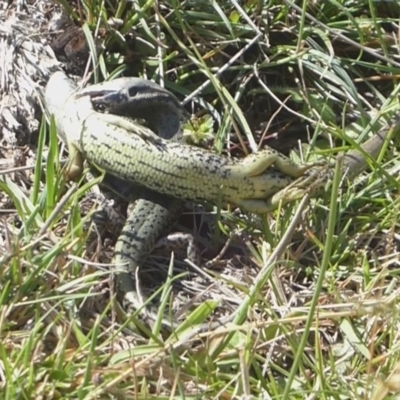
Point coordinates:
[[315, 285]]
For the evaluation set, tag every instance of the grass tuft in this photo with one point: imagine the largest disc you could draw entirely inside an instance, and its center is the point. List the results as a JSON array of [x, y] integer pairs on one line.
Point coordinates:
[[315, 285]]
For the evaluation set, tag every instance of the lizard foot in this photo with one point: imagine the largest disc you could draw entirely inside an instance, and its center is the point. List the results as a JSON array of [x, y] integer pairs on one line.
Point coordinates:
[[257, 163]]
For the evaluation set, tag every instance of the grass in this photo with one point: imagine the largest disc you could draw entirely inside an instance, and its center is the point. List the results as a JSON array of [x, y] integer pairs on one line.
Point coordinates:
[[316, 284]]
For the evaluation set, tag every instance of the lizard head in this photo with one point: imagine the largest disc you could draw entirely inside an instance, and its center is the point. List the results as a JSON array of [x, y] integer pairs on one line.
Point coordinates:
[[131, 96]]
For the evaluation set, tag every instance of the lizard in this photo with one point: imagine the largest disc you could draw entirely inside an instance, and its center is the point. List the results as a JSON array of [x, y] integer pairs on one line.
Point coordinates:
[[117, 94], [154, 212], [117, 97], [149, 213], [133, 152]]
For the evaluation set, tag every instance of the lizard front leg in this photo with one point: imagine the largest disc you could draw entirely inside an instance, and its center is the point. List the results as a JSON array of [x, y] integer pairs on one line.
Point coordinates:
[[74, 168]]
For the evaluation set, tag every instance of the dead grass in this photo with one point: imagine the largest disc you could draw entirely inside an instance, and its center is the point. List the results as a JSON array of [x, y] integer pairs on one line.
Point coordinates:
[[315, 286]]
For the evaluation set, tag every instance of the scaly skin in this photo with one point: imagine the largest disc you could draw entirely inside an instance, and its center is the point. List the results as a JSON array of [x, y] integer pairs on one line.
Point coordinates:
[[139, 98], [152, 214], [130, 151]]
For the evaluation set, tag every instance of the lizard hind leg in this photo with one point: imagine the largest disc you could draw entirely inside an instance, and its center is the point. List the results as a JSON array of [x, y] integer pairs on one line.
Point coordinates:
[[295, 191], [270, 204], [257, 163]]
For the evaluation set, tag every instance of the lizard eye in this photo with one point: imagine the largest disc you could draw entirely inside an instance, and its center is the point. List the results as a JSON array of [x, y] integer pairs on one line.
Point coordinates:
[[132, 92], [99, 106]]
